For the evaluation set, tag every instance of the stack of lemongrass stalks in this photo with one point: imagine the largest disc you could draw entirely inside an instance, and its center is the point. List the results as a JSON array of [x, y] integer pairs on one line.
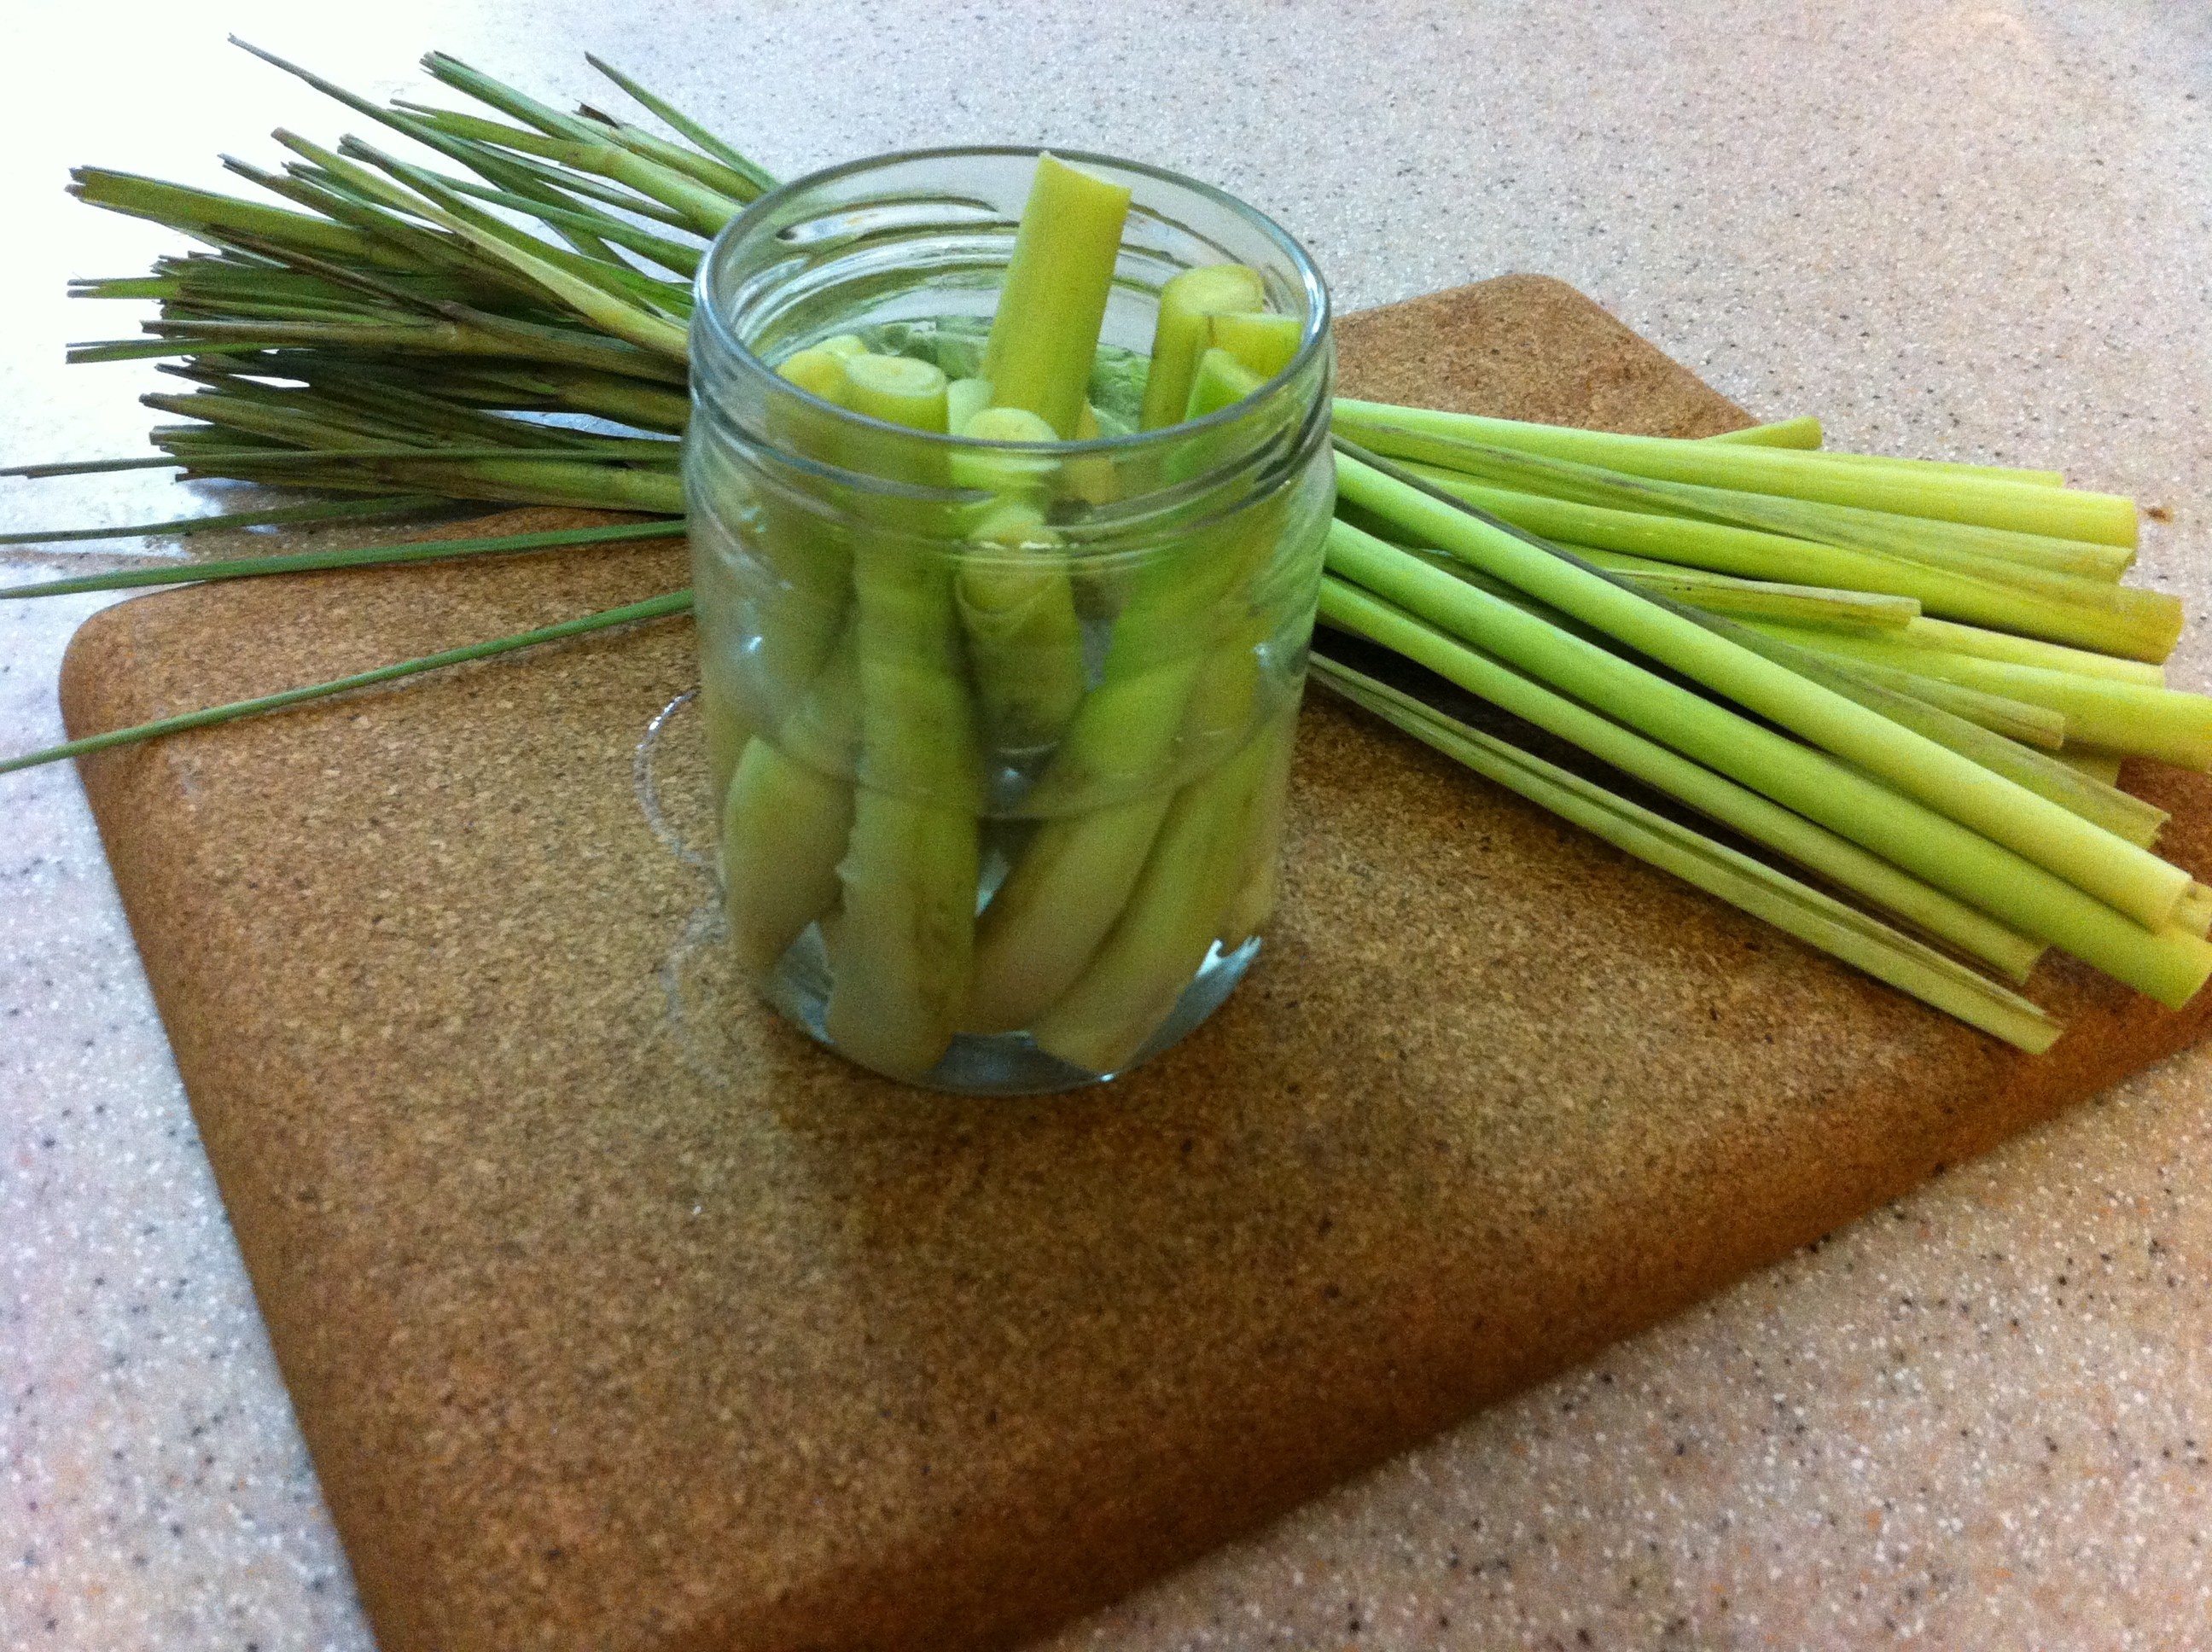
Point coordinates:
[[1915, 681]]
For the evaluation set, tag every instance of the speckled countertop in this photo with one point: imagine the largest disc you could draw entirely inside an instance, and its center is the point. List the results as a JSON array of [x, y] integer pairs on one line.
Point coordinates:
[[1980, 1417]]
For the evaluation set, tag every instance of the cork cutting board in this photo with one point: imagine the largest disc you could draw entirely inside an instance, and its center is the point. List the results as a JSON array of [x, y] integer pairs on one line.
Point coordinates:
[[618, 1316]]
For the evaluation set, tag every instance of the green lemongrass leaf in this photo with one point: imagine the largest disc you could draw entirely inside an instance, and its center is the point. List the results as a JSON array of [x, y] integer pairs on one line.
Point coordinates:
[[701, 168], [616, 279], [1956, 922], [593, 301], [204, 212], [706, 208], [329, 511], [2023, 508], [483, 331], [2093, 859], [313, 562], [761, 182], [676, 601], [669, 255], [277, 455], [516, 187], [1818, 919], [549, 174]]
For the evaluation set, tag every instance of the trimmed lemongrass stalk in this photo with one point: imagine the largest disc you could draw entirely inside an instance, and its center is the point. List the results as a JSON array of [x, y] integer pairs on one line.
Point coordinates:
[[2134, 718], [900, 967], [676, 601], [2114, 870], [1188, 303], [1835, 858], [964, 399], [2076, 570], [2102, 767], [2194, 911], [2164, 963], [1818, 919], [2016, 507], [1928, 632], [1171, 643], [1264, 341], [307, 562], [1220, 381], [1803, 432], [1193, 875], [1262, 877], [1044, 335], [1997, 734], [1751, 553], [1939, 468], [784, 829], [1723, 594], [1016, 604], [1962, 719]]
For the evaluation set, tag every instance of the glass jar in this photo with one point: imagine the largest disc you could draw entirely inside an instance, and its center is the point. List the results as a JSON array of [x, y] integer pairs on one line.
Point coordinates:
[[1000, 729]]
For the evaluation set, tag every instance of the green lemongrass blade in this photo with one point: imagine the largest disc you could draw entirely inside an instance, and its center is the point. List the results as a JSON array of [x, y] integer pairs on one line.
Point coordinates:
[[669, 255], [589, 487], [519, 151], [616, 279], [2136, 718], [731, 186], [1830, 855], [595, 302], [1722, 593], [761, 180], [413, 247], [1952, 637], [706, 210], [330, 511], [1816, 918], [601, 267], [197, 210], [313, 562], [677, 602], [2163, 963], [1632, 516], [2096, 860], [583, 232], [279, 456], [123, 287], [2023, 508], [1802, 432]]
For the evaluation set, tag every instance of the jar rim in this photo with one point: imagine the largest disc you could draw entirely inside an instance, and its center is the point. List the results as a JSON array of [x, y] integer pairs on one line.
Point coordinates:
[[1313, 337]]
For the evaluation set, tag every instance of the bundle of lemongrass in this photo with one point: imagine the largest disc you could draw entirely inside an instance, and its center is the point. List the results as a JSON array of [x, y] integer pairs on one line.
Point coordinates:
[[1913, 680]]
